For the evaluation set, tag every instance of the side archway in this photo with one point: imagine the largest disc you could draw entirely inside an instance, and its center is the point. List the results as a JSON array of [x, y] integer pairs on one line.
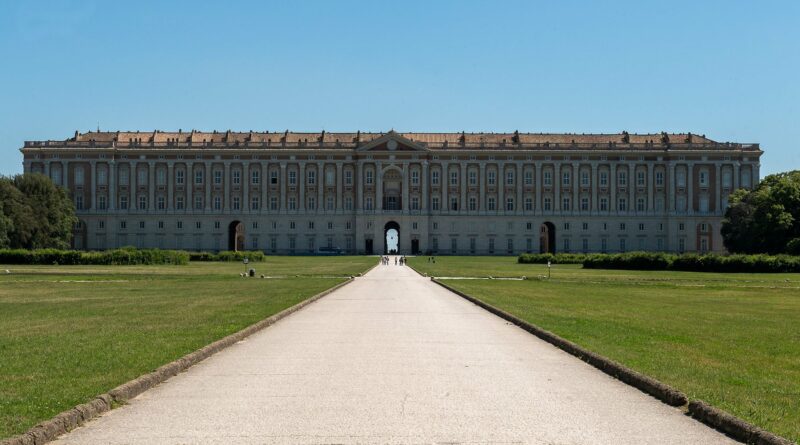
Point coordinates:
[[547, 238], [236, 236]]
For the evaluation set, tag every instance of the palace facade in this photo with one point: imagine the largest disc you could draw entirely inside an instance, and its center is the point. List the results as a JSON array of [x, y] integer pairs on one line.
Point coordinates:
[[445, 193]]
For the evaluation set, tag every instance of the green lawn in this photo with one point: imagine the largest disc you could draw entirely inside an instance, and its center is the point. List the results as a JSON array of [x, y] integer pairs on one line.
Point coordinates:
[[730, 339], [68, 333]]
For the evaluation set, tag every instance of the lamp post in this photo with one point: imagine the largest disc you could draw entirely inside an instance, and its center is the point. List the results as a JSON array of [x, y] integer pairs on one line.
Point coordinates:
[[548, 269], [246, 261]]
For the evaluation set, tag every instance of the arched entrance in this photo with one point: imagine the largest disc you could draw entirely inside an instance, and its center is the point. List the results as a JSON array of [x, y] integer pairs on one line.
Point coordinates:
[[547, 238], [236, 236], [391, 238]]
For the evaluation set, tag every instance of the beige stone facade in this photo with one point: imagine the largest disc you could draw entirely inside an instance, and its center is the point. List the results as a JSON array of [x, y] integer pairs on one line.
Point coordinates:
[[446, 193]]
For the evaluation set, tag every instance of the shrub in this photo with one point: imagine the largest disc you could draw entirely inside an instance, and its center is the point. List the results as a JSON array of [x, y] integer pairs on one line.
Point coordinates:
[[693, 262], [631, 260], [229, 255], [543, 258], [109, 257]]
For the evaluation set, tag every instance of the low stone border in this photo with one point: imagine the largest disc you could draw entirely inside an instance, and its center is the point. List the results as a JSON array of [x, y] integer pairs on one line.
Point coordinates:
[[722, 421], [72, 418]]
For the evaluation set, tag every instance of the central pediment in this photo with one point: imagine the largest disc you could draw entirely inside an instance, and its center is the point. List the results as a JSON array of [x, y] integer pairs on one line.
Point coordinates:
[[392, 141]]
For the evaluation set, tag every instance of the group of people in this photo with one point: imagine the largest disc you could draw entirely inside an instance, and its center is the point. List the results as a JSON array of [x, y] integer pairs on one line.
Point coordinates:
[[398, 260]]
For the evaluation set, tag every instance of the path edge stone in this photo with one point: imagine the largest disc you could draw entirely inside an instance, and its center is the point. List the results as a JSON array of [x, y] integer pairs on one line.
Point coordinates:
[[68, 420], [716, 418]]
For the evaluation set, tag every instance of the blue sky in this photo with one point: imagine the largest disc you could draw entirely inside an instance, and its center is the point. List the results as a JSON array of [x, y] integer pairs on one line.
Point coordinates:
[[727, 69]]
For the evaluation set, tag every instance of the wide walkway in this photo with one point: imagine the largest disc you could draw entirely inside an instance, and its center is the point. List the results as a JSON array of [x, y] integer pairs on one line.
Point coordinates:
[[393, 358]]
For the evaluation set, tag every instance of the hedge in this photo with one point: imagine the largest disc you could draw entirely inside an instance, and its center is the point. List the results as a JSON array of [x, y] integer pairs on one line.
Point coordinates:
[[228, 255], [693, 262], [543, 258], [107, 257]]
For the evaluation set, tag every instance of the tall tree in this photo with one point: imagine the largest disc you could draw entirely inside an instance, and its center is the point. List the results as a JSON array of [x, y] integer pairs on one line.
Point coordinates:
[[41, 213], [765, 219]]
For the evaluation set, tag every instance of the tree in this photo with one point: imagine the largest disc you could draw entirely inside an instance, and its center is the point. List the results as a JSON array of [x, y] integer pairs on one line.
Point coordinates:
[[6, 225], [765, 219], [41, 214]]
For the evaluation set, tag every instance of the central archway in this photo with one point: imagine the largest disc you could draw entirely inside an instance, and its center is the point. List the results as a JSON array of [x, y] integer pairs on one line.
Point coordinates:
[[547, 238], [236, 236], [391, 238]]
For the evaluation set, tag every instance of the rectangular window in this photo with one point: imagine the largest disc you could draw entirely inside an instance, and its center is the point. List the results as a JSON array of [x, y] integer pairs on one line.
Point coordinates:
[[369, 178], [217, 203], [453, 245], [348, 177], [329, 203], [273, 177], [622, 178], [473, 178], [491, 245], [348, 203], [680, 178], [622, 244], [510, 204], [161, 203], [101, 202], [292, 178], [311, 176], [454, 177], [255, 177], [548, 204], [603, 204], [217, 177], [491, 177], [415, 203], [142, 177], [473, 204], [566, 245], [435, 203], [510, 245], [179, 204], [102, 176], [198, 176], [161, 176], [640, 205], [330, 178], [726, 179], [585, 178], [585, 245], [622, 205], [368, 203], [548, 178], [565, 204], [603, 245], [198, 203], [142, 202], [237, 203], [79, 202], [584, 204], [528, 204], [180, 177], [123, 225], [565, 177], [491, 204], [603, 179], [435, 177], [415, 177], [453, 203], [510, 177], [703, 178], [528, 177], [659, 179], [640, 179], [254, 203]]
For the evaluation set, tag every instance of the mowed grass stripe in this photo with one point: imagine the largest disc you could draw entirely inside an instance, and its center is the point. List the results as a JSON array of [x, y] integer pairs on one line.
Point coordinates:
[[732, 340], [68, 333]]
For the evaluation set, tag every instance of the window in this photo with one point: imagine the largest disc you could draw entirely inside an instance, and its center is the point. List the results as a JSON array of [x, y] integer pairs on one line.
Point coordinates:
[[454, 245], [101, 225], [142, 202], [255, 177], [329, 203], [622, 205], [237, 203], [566, 244], [548, 204], [198, 225], [454, 203], [473, 204], [123, 225], [566, 226], [584, 204], [603, 204], [254, 203], [435, 203], [101, 202], [680, 178], [348, 177], [603, 179], [292, 178], [273, 177], [179, 204], [180, 176], [216, 224], [491, 204], [585, 178], [311, 225], [161, 203], [491, 245], [472, 245], [659, 179], [565, 177], [348, 203], [198, 203], [528, 177], [330, 178], [369, 178], [141, 177], [435, 177], [603, 245], [726, 179], [622, 244], [217, 203], [622, 227], [368, 203], [179, 225], [584, 226], [473, 177], [415, 177], [585, 245], [491, 177], [217, 177], [198, 176], [548, 177], [102, 176], [510, 245], [330, 225], [704, 204], [622, 178], [311, 203], [640, 205], [681, 245], [453, 177], [510, 204], [640, 179], [79, 202], [641, 227], [681, 227], [510, 177], [528, 204], [292, 225], [311, 176], [565, 204], [703, 178], [746, 178]]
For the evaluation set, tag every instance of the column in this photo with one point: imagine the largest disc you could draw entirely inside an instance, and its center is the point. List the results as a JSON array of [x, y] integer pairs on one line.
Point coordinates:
[[631, 188], [93, 182], [246, 186], [576, 170], [378, 186], [320, 186], [557, 187], [756, 174], [594, 174], [339, 187], [462, 183], [359, 185], [47, 168], [519, 184], [482, 187], [65, 174], [170, 185], [671, 181], [718, 188], [690, 187], [151, 188], [444, 181], [112, 185], [538, 183], [189, 186], [501, 187], [612, 187], [208, 184], [405, 198], [424, 178], [226, 188], [650, 187], [132, 185], [301, 182], [282, 183], [264, 186], [736, 174]]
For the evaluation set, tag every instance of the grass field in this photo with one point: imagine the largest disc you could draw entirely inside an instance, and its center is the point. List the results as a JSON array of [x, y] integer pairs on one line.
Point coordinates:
[[68, 333], [732, 340]]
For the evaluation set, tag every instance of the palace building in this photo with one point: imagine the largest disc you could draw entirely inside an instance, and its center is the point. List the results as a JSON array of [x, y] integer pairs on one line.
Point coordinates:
[[443, 193]]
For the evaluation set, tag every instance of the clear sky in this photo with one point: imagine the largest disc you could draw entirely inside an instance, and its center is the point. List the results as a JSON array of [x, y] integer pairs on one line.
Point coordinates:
[[727, 69]]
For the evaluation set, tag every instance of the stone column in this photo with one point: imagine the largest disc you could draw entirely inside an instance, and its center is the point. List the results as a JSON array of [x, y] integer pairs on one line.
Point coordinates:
[[283, 183], [650, 186], [301, 182], [538, 183], [501, 187], [47, 169], [424, 179], [576, 173], [557, 187], [246, 186], [718, 188], [65, 174], [151, 187], [320, 187], [208, 184], [756, 174], [736, 175], [690, 187], [93, 182], [462, 185], [405, 196], [482, 187], [226, 187], [170, 185], [263, 185], [631, 188], [594, 184], [612, 187], [339, 187], [444, 181], [112, 185], [189, 186], [672, 184], [519, 185], [378, 186]]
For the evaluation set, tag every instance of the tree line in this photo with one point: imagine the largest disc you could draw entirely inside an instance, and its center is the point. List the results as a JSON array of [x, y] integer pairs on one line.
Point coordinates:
[[35, 213]]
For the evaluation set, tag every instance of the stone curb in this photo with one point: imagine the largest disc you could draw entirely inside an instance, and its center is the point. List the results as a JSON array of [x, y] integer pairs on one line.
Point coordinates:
[[732, 426], [50, 429]]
